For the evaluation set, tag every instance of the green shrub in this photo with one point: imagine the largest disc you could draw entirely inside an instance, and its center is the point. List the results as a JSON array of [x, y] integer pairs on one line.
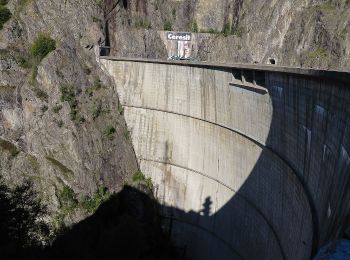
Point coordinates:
[[42, 46], [194, 26], [211, 30], [96, 86], [327, 7], [319, 53], [67, 199], [68, 94], [60, 123], [97, 111], [127, 135], [41, 94], [57, 108], [44, 108], [234, 30], [120, 109], [25, 62], [142, 23], [22, 218], [91, 204], [5, 15], [168, 26], [8, 146], [95, 19], [226, 30], [140, 177], [21, 5], [109, 132]]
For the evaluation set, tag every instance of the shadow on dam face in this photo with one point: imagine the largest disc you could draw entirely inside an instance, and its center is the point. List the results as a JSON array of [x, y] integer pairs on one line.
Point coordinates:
[[248, 162]]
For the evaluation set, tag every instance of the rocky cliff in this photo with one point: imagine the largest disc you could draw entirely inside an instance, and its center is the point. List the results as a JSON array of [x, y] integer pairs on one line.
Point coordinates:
[[306, 33], [61, 124]]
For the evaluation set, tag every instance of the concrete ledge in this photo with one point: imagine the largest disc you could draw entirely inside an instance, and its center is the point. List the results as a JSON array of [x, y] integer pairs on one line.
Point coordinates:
[[342, 76]]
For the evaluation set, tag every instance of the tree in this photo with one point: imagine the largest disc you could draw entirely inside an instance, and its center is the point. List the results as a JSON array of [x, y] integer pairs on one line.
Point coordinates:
[[22, 216]]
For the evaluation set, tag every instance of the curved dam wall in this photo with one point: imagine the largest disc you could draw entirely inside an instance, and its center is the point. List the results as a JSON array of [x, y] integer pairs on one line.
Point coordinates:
[[250, 162]]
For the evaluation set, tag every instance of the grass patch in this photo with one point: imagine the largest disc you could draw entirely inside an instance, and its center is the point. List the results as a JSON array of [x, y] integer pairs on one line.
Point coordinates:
[[42, 46], [141, 23], [10, 147], [167, 26], [326, 7], [91, 204], [109, 132], [319, 53]]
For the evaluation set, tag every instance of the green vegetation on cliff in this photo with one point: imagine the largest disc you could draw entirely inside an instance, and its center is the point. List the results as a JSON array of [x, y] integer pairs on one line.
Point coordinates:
[[42, 46], [21, 218], [8, 146], [5, 13], [91, 204], [139, 177]]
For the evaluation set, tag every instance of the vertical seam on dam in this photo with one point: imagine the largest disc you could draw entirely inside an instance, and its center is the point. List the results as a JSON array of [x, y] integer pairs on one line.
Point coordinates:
[[236, 193]]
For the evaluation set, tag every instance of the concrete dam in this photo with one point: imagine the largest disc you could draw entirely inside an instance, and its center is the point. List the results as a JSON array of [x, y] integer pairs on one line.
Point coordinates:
[[249, 161]]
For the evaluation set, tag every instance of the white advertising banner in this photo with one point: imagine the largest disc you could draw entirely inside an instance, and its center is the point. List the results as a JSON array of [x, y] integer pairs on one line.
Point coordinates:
[[179, 45]]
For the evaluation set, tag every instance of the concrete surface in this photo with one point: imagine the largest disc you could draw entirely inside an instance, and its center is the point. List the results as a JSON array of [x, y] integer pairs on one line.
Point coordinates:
[[249, 161]]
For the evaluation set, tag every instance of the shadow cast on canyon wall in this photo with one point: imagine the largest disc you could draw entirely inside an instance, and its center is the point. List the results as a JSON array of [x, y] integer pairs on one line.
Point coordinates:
[[127, 226]]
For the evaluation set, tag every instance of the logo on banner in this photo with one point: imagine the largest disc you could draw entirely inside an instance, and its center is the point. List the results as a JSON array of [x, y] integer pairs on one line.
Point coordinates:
[[175, 36]]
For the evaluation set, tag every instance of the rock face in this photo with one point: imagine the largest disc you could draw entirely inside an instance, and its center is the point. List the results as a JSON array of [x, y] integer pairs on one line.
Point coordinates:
[[60, 120], [306, 33]]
